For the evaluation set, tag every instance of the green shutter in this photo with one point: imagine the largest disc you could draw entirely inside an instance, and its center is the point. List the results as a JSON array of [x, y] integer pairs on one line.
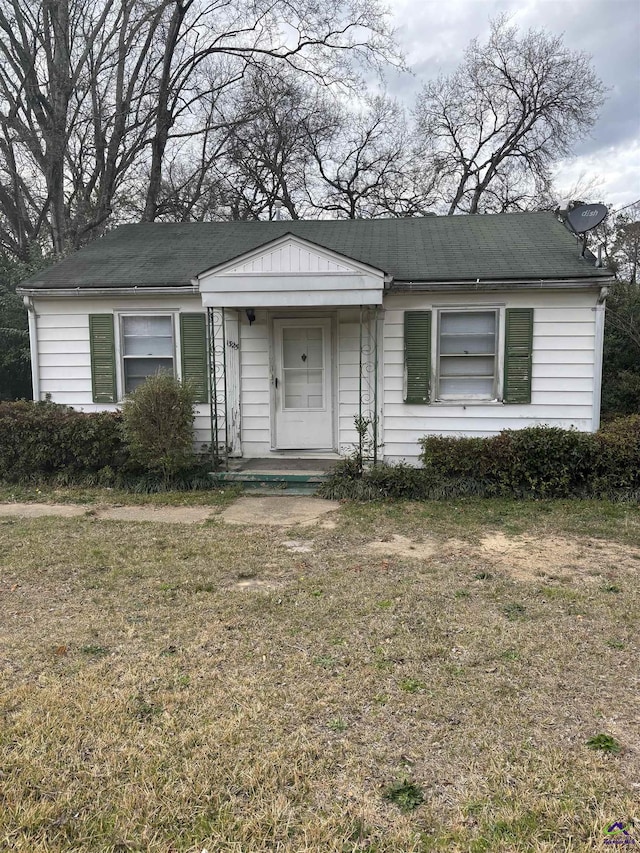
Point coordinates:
[[417, 356], [193, 346], [517, 355], [103, 358]]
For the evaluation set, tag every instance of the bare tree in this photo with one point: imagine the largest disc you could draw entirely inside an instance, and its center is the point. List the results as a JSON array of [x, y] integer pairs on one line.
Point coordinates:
[[98, 97], [494, 128], [367, 167]]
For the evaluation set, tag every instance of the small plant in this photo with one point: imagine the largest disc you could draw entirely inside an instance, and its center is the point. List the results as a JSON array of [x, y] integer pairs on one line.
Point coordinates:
[[94, 651], [513, 610], [325, 662], [337, 725], [483, 576], [611, 587], [412, 685], [406, 795], [605, 743], [615, 644], [510, 654], [205, 587], [158, 425], [143, 710]]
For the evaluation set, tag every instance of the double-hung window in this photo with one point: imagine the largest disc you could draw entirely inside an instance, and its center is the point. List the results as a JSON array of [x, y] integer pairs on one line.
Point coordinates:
[[148, 348], [467, 355]]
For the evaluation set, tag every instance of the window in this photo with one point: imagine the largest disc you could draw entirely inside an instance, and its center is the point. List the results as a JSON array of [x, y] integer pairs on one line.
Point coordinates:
[[467, 364], [147, 345]]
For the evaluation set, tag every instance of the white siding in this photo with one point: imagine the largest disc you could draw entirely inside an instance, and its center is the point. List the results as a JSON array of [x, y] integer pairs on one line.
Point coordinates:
[[255, 385], [562, 374], [562, 379], [63, 347]]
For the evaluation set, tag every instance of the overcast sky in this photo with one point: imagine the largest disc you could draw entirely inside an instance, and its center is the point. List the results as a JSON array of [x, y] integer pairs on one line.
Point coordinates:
[[434, 34]]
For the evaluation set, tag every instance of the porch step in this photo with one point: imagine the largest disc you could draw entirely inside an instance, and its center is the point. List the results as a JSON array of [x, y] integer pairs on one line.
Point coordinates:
[[272, 482]]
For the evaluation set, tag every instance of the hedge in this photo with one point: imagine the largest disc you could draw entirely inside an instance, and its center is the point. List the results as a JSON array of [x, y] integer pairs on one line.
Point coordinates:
[[536, 462], [41, 439]]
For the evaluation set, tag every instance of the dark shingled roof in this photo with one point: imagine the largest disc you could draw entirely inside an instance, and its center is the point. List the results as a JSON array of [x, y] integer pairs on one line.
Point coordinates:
[[435, 248]]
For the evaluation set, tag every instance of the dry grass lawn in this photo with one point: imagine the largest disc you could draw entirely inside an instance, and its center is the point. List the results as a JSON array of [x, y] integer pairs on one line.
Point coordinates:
[[205, 687]]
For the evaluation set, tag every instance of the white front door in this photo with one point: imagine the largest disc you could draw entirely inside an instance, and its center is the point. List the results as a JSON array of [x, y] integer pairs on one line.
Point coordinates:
[[302, 384]]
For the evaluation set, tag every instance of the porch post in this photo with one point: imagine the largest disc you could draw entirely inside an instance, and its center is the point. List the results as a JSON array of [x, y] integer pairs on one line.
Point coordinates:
[[367, 420], [218, 387]]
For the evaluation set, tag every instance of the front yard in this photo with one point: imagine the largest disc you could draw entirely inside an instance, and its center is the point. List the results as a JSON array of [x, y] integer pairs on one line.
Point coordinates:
[[399, 677]]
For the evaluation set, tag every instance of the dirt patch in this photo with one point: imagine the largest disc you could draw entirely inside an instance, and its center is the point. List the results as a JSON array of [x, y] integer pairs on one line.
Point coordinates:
[[401, 546], [24, 510], [525, 558], [531, 558], [255, 584], [278, 512], [297, 546]]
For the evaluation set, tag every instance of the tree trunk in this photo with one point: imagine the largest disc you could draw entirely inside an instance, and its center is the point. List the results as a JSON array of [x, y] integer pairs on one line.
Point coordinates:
[[164, 118]]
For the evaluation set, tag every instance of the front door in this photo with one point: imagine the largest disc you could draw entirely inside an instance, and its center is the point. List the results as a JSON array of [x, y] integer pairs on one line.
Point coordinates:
[[302, 384]]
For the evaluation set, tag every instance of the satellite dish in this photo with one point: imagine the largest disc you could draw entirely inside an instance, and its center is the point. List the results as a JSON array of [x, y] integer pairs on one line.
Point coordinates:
[[586, 216]]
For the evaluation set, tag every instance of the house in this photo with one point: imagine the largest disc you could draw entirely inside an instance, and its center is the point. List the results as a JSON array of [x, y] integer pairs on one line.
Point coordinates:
[[293, 332]]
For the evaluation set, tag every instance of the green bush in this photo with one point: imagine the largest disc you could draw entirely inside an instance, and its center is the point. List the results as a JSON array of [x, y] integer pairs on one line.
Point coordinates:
[[158, 425], [617, 461], [536, 462], [41, 439], [542, 461]]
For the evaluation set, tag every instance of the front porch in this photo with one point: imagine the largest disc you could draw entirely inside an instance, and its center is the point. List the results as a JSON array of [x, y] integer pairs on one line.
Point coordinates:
[[294, 343]]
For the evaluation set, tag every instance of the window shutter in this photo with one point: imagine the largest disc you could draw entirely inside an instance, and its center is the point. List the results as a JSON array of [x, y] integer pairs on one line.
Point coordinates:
[[193, 346], [517, 356], [417, 356], [103, 358]]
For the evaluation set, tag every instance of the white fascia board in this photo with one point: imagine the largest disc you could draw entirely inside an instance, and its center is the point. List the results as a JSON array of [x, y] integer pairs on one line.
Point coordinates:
[[66, 292], [290, 283], [516, 284], [291, 299]]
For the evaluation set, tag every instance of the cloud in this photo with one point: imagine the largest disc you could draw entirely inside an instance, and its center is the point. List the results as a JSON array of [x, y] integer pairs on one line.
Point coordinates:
[[613, 170], [435, 33]]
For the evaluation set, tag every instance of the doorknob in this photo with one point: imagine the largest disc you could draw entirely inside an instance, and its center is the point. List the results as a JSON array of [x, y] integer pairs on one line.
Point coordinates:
[[275, 381]]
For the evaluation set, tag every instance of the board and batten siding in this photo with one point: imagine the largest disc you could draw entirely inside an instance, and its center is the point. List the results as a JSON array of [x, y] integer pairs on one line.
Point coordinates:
[[563, 370], [64, 359]]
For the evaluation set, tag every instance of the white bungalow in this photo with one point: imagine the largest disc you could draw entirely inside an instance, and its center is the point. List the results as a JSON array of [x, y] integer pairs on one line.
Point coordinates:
[[291, 331]]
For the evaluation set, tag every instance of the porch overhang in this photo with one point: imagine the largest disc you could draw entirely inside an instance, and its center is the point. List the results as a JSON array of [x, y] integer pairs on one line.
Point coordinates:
[[269, 291], [287, 273]]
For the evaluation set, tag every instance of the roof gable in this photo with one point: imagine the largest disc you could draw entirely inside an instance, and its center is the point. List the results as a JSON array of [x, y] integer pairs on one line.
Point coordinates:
[[289, 255]]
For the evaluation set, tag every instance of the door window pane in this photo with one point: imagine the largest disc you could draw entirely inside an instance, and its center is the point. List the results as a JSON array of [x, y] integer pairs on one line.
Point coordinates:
[[303, 389], [302, 347], [303, 367]]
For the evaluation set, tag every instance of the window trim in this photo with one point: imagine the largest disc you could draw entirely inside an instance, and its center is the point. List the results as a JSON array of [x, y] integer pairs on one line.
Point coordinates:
[[120, 357], [498, 378]]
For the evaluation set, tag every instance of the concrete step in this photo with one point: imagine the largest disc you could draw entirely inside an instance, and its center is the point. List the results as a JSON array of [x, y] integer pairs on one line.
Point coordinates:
[[272, 482]]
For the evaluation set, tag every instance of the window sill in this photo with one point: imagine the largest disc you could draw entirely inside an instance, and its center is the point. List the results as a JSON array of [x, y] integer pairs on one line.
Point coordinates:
[[465, 403]]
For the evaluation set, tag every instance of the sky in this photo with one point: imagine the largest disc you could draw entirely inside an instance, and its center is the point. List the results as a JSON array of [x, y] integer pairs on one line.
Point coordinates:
[[434, 34]]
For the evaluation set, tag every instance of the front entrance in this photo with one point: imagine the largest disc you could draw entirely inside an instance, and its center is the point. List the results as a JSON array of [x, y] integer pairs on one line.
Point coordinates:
[[302, 384]]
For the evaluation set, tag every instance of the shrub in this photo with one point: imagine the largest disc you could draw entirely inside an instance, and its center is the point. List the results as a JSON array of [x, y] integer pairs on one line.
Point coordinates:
[[542, 461], [536, 462], [617, 461], [41, 439], [158, 425]]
